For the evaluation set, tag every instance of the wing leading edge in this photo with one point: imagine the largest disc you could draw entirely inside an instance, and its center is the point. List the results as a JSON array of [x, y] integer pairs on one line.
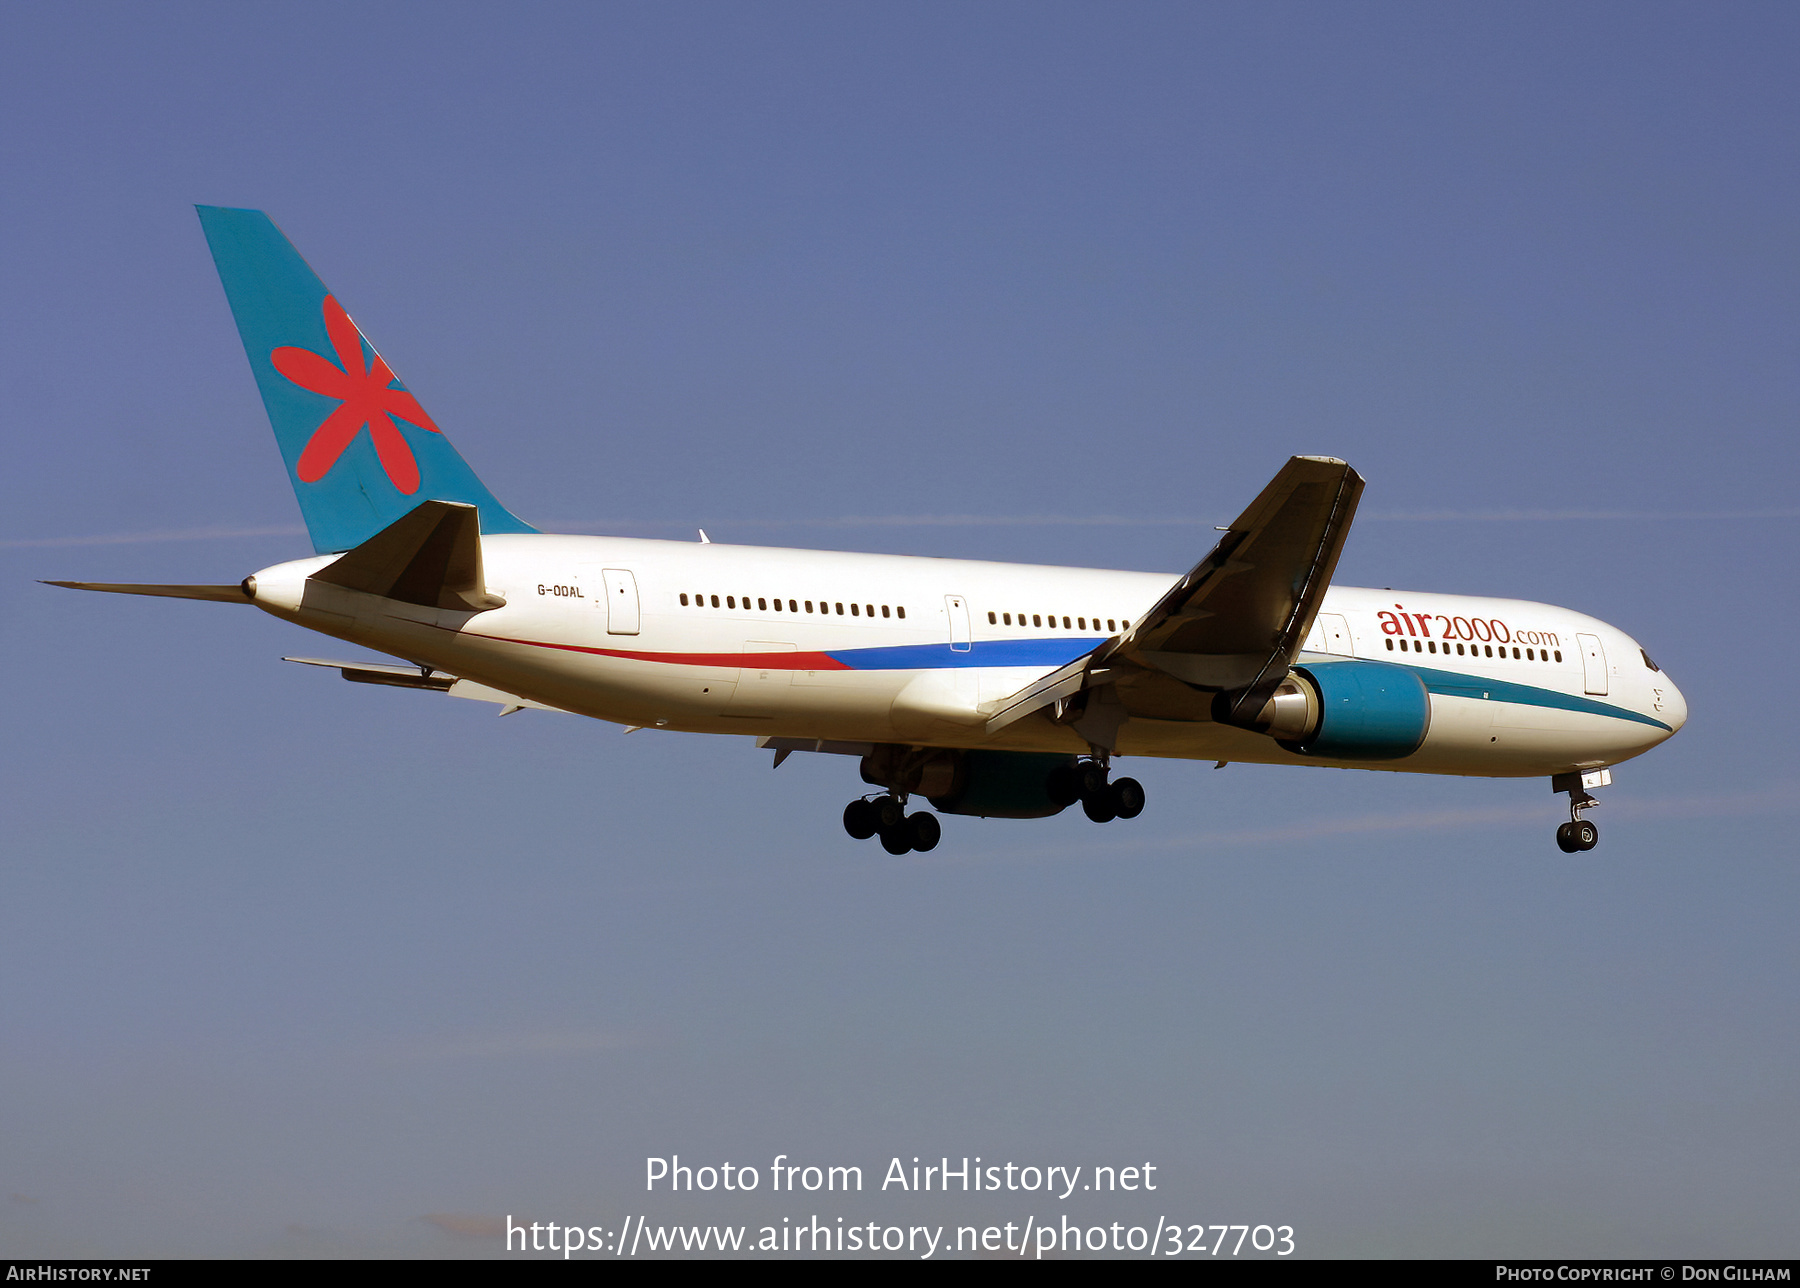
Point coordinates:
[[1234, 623], [1236, 620]]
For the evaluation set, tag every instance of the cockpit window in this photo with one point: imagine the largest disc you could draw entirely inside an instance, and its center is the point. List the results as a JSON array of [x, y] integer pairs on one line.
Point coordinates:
[[1647, 662]]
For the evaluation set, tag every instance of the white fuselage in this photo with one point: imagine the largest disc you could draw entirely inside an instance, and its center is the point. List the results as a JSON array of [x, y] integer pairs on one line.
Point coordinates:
[[898, 649]]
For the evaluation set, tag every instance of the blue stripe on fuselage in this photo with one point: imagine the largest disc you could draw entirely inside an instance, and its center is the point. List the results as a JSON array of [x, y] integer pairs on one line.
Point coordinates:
[[1455, 684], [931, 657], [1060, 651]]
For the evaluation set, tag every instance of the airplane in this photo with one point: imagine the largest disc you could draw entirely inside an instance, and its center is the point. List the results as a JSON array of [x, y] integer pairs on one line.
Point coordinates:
[[987, 689]]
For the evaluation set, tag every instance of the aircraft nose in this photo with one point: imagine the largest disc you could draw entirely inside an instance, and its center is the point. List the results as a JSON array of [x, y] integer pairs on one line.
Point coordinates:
[[1674, 705]]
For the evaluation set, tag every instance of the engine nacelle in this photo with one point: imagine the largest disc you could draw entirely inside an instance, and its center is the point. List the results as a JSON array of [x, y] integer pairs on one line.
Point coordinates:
[[1366, 711], [1343, 711]]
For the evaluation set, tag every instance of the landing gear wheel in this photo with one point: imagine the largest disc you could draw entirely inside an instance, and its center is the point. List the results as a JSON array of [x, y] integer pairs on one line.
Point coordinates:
[[896, 840], [1091, 774], [860, 820], [1587, 836], [1128, 798], [923, 831], [1565, 839], [1100, 806], [889, 813]]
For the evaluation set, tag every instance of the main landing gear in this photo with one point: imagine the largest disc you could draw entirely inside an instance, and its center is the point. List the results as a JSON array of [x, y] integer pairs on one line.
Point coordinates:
[[1578, 833], [1102, 801], [885, 816]]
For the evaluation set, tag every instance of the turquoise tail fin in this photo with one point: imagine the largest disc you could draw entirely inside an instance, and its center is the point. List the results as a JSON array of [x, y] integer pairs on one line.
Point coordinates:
[[360, 450]]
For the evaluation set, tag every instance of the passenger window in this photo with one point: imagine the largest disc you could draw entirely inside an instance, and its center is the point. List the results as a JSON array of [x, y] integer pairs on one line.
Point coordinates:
[[1081, 623], [730, 602], [1515, 655], [884, 610], [684, 599], [1065, 623], [900, 612], [1431, 647], [853, 610], [1037, 619], [1390, 645], [840, 610], [993, 620], [1559, 655], [762, 605], [1008, 617], [1126, 621], [808, 604], [1110, 626], [869, 609], [778, 605], [1459, 650], [715, 600]]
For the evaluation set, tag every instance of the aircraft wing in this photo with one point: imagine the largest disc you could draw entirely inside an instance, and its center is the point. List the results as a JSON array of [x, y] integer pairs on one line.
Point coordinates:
[[1236, 620], [1234, 623]]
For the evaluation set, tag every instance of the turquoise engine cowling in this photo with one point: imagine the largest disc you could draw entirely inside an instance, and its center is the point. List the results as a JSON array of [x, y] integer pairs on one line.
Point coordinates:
[[1367, 711]]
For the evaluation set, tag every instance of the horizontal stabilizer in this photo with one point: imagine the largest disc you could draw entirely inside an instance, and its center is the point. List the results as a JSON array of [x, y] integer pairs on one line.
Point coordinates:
[[400, 677], [417, 677], [431, 555], [224, 594]]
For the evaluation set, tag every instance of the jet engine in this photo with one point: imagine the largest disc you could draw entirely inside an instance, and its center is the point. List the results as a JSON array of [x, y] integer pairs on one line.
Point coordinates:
[[1351, 710]]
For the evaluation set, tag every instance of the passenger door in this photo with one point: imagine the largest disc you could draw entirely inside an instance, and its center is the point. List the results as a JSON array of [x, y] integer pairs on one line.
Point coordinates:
[[962, 640], [1334, 632], [1593, 664], [621, 601]]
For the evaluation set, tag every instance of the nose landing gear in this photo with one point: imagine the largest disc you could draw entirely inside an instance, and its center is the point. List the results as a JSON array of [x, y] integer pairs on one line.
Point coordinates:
[[885, 816], [1578, 834]]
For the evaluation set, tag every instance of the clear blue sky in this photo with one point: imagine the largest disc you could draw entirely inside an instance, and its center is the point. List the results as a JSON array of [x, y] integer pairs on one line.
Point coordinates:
[[294, 967]]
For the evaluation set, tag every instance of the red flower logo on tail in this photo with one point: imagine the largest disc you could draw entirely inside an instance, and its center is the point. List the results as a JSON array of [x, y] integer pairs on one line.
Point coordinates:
[[366, 400]]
